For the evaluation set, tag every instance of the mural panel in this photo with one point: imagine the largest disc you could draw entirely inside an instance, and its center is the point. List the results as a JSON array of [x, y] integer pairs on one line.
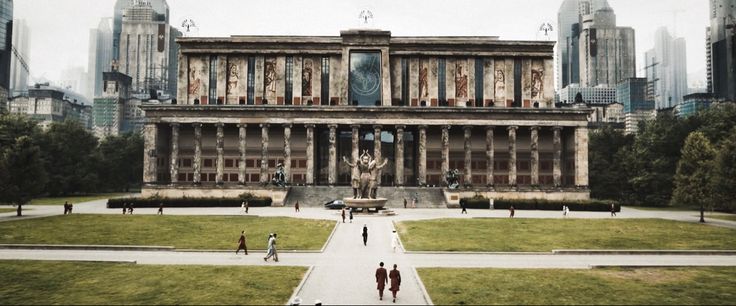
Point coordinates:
[[307, 78], [461, 79], [537, 83]]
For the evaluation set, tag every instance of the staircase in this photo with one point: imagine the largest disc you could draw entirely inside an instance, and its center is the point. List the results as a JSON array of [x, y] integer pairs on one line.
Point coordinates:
[[317, 196]]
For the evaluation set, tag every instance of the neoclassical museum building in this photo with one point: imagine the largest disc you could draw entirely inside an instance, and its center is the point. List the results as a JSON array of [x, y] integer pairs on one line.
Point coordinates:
[[481, 105]]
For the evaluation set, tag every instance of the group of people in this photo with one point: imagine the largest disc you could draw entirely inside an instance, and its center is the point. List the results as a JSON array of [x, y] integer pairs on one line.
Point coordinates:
[[128, 207], [382, 278], [350, 212], [413, 203], [68, 208], [271, 246]]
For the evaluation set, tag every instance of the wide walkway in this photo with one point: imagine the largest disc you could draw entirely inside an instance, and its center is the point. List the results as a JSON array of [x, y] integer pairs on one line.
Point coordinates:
[[344, 272]]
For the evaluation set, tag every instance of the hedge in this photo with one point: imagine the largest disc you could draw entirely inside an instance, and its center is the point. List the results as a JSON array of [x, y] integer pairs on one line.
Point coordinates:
[[589, 205], [188, 202]]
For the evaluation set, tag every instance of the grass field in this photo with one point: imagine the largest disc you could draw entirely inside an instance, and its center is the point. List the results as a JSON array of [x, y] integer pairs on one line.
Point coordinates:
[[75, 199], [610, 286], [39, 283], [7, 210], [184, 232], [720, 217], [529, 235]]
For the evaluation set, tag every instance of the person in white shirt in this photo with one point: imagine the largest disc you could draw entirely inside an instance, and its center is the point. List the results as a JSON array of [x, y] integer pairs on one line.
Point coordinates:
[[395, 242]]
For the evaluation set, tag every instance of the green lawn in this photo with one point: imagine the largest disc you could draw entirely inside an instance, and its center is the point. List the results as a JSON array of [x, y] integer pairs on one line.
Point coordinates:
[[529, 235], [688, 286], [184, 232], [75, 199], [720, 217], [29, 282], [7, 210]]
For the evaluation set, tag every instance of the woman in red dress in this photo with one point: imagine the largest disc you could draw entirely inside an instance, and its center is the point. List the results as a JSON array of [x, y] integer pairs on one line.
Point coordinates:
[[395, 277]]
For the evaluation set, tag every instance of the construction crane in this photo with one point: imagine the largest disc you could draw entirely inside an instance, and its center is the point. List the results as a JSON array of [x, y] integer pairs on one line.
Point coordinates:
[[651, 92]]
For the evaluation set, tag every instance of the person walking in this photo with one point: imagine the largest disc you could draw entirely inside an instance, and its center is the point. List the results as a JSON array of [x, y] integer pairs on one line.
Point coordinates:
[[567, 210], [160, 209], [271, 248], [342, 213], [465, 210], [130, 209], [395, 242], [241, 244], [66, 208], [613, 210], [404, 203], [296, 206], [242, 207], [247, 206], [511, 211], [365, 234], [351, 215], [381, 280], [414, 202], [71, 206], [564, 211], [125, 207], [395, 277]]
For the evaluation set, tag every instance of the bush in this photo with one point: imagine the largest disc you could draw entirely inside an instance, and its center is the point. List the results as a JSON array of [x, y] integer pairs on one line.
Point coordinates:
[[589, 205], [190, 202]]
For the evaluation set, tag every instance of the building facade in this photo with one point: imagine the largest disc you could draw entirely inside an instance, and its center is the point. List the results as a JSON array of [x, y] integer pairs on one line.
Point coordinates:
[[159, 6], [569, 18], [600, 95], [638, 104], [100, 59], [47, 104], [19, 64], [109, 108], [6, 46], [424, 104], [666, 69], [694, 103], [607, 52], [148, 51], [721, 49]]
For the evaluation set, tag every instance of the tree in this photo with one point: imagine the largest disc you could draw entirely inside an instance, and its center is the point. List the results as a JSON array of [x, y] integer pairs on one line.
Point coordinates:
[[22, 175], [693, 173], [723, 180], [607, 175], [71, 159], [121, 163]]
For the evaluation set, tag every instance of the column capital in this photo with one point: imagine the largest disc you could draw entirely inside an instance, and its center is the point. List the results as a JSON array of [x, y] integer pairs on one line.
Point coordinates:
[[309, 125], [467, 127], [535, 128], [287, 125], [355, 126], [377, 126], [422, 126], [557, 128], [513, 127], [219, 124], [332, 126], [446, 127], [266, 125], [400, 127], [490, 127], [242, 125], [175, 124], [197, 125]]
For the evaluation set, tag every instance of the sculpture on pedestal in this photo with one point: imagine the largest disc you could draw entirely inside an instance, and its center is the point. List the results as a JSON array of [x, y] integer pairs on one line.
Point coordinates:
[[279, 177], [367, 186], [452, 178]]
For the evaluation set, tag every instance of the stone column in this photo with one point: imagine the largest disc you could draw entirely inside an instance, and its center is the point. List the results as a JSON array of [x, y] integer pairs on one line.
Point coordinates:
[[377, 150], [332, 165], [535, 155], [399, 156], [150, 137], [197, 163], [445, 152], [422, 173], [512, 155], [310, 154], [355, 152], [468, 155], [242, 129], [557, 156], [264, 153], [174, 153], [287, 152], [581, 157], [489, 156], [220, 142]]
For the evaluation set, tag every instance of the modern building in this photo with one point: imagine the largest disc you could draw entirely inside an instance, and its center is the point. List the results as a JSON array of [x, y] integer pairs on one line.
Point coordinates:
[[148, 51], [159, 6], [19, 63], [607, 52], [638, 104], [666, 69], [100, 56], [694, 103], [599, 95], [424, 105], [109, 108], [74, 78], [48, 104], [569, 19], [6, 47], [721, 49]]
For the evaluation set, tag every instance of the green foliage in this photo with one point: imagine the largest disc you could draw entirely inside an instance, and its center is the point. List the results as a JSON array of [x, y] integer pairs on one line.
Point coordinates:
[[71, 159], [607, 179], [693, 172], [723, 178], [22, 175], [121, 165], [189, 202]]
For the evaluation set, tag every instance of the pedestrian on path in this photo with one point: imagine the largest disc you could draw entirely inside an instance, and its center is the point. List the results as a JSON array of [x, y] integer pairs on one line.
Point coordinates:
[[404, 203], [241, 244], [613, 210], [365, 234], [125, 207], [160, 209], [395, 242], [511, 211], [296, 206], [381, 280], [342, 213], [395, 277], [462, 205], [130, 209], [567, 210], [247, 206], [71, 206], [414, 202], [271, 248], [564, 210], [66, 208], [351, 215]]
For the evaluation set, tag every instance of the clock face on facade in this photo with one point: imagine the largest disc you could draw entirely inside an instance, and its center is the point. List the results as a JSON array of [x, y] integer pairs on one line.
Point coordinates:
[[365, 78]]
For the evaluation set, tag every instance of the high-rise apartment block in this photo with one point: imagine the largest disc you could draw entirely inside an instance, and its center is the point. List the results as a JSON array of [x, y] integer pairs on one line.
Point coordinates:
[[100, 56], [666, 69], [569, 19], [607, 52], [19, 63], [721, 49]]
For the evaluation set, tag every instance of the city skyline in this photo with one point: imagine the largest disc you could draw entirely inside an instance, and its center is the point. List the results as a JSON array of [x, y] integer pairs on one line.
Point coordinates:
[[486, 18]]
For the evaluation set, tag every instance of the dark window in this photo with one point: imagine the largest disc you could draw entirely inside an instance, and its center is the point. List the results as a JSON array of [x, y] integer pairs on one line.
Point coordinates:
[[325, 82], [213, 80], [187, 163], [479, 82], [289, 71], [441, 80], [228, 163], [517, 82], [251, 79], [405, 82]]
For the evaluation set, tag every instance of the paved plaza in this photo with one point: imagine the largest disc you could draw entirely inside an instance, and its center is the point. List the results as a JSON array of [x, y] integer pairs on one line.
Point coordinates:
[[343, 272]]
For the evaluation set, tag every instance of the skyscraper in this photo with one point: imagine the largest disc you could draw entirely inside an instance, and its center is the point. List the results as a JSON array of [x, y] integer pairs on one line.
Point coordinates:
[[607, 52], [568, 25], [159, 6], [148, 52], [19, 62], [100, 59], [6, 43], [721, 47], [666, 69]]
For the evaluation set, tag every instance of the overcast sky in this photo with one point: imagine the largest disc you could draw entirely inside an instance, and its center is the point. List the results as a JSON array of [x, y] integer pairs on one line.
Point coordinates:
[[60, 28]]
